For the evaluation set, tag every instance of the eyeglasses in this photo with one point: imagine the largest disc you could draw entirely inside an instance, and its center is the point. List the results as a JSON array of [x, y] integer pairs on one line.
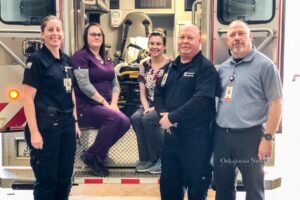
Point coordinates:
[[95, 34]]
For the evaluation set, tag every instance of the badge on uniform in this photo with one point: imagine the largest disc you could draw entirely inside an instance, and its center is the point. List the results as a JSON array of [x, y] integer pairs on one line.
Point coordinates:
[[68, 84], [164, 79], [67, 79], [28, 65], [165, 76], [228, 93]]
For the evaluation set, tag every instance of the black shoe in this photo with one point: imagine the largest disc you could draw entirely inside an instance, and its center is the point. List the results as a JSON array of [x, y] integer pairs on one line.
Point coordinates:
[[101, 168], [86, 161], [96, 167]]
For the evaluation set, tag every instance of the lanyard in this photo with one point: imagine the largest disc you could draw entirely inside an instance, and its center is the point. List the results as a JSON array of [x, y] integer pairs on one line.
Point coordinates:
[[165, 76]]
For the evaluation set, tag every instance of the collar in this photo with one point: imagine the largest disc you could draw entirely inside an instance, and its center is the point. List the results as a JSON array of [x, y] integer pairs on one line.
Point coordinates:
[[147, 64], [195, 59], [248, 58], [48, 58]]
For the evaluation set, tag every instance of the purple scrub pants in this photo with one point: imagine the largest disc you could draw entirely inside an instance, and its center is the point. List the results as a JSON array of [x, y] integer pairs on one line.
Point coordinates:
[[111, 125]]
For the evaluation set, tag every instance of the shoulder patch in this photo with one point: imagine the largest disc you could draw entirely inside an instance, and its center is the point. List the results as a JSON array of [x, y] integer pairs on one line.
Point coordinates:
[[28, 65]]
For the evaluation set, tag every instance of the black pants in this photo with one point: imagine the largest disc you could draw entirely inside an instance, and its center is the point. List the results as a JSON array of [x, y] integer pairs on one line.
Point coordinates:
[[234, 150], [53, 165], [185, 166]]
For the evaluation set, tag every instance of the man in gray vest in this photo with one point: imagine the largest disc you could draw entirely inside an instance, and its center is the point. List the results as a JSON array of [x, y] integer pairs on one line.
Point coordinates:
[[248, 116]]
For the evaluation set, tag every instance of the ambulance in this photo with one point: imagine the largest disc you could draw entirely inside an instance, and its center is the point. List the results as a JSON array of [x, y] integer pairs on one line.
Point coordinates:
[[126, 25]]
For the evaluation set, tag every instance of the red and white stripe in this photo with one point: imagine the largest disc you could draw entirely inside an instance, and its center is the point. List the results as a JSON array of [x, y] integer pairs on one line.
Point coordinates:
[[109, 180], [12, 116]]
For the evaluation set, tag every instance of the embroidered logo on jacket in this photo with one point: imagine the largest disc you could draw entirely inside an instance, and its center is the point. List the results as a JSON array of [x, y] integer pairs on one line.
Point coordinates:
[[189, 74]]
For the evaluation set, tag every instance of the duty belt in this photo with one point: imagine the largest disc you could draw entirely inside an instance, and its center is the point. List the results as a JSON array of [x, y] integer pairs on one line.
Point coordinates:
[[51, 109]]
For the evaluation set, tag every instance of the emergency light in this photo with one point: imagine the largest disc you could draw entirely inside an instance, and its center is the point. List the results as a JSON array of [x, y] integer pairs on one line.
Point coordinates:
[[13, 94]]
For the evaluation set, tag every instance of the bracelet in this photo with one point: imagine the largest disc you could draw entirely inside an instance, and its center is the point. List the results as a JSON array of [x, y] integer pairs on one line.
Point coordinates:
[[76, 120]]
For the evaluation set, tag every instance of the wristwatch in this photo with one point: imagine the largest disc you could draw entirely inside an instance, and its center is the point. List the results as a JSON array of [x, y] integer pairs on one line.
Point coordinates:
[[268, 136]]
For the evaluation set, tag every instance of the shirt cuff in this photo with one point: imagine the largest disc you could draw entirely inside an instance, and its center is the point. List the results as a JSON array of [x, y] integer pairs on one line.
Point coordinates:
[[173, 118]]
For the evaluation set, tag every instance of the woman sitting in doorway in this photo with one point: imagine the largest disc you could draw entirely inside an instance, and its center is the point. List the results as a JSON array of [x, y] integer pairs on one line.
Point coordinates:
[[145, 120], [97, 91]]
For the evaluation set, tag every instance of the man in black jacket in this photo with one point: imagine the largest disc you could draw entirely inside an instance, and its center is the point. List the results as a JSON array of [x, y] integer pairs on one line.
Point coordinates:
[[185, 100]]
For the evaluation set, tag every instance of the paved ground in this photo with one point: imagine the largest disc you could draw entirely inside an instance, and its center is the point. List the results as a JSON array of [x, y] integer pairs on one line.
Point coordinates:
[[8, 194]]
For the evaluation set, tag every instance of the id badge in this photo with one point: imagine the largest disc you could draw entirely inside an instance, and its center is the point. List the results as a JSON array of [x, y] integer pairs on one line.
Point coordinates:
[[68, 84], [164, 79], [228, 93]]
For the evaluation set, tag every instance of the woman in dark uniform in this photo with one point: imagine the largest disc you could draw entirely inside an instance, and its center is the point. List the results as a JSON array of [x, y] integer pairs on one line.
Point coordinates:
[[51, 116]]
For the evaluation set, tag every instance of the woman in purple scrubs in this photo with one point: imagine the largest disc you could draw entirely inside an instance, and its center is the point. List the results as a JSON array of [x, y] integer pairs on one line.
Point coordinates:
[[97, 91]]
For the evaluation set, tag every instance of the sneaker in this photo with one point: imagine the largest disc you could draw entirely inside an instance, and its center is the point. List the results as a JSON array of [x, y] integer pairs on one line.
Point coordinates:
[[156, 168], [143, 166], [96, 167]]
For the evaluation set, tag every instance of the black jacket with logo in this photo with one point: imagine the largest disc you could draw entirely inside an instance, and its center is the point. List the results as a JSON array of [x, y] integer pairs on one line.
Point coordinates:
[[188, 93]]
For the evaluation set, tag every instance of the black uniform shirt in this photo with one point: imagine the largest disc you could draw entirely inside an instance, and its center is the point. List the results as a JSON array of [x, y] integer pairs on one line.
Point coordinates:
[[47, 73], [189, 92]]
